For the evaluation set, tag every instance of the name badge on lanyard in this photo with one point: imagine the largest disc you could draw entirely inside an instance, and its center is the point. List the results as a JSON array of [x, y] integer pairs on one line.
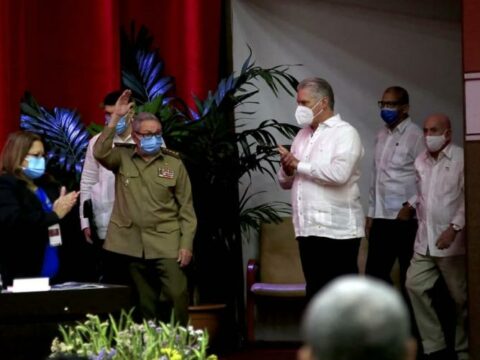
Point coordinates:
[[54, 235]]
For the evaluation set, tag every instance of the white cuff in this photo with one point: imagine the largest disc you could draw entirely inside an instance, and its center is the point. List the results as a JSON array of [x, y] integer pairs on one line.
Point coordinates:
[[413, 201], [84, 223], [304, 168]]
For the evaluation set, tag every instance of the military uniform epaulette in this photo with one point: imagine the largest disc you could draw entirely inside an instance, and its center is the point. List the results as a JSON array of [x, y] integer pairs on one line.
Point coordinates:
[[125, 145], [171, 153]]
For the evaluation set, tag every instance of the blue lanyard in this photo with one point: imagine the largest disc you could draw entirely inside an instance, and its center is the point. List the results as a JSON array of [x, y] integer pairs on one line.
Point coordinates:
[[51, 262], [46, 203]]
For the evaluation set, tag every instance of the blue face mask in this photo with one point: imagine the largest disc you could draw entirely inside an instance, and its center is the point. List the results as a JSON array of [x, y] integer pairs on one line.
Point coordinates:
[[121, 126], [35, 167], [389, 115], [151, 144]]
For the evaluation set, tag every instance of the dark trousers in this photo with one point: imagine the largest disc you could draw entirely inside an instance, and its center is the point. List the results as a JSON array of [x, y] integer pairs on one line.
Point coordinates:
[[115, 268], [162, 288], [159, 285], [324, 259], [98, 258], [389, 240]]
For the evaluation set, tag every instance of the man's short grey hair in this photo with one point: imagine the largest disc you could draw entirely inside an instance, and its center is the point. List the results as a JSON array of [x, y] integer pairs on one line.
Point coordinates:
[[357, 318], [320, 88], [142, 116]]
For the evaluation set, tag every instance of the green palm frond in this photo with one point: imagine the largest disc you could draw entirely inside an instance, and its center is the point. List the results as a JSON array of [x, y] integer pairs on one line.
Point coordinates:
[[258, 147], [233, 91], [142, 67]]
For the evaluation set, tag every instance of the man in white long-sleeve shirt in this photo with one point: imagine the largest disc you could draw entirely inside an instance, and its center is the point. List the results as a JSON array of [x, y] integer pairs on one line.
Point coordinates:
[[439, 246], [322, 170], [97, 183], [397, 145]]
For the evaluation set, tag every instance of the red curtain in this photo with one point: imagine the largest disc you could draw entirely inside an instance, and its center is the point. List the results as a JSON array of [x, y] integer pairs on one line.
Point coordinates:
[[66, 52], [12, 64], [187, 33]]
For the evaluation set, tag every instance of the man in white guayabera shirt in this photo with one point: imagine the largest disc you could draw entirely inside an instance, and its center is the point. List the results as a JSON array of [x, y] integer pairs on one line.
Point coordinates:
[[439, 246], [322, 170], [398, 143]]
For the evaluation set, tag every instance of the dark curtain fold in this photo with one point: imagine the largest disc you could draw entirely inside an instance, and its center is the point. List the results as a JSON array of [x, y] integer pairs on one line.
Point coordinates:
[[66, 52]]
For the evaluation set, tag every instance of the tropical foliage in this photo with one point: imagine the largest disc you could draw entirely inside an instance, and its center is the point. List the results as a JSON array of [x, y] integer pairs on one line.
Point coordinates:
[[209, 136], [125, 340], [142, 68], [64, 135]]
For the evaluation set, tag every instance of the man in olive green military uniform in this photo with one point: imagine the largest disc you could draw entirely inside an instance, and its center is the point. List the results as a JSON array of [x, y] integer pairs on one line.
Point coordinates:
[[153, 221]]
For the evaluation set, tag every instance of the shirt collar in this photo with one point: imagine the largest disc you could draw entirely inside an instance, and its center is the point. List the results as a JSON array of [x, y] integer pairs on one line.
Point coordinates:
[[155, 157], [446, 152], [332, 121], [118, 139], [401, 127]]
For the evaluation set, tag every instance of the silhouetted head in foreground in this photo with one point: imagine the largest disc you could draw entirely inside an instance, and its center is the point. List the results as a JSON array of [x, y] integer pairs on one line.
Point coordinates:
[[357, 318]]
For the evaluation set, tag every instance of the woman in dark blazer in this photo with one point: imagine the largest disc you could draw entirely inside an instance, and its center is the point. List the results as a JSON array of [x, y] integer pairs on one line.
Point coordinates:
[[28, 212]]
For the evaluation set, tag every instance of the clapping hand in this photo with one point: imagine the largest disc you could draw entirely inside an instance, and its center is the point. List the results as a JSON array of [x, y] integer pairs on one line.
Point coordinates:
[[65, 202], [288, 161]]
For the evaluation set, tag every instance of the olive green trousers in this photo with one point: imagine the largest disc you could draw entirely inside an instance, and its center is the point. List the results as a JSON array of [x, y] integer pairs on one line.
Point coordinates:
[[162, 289]]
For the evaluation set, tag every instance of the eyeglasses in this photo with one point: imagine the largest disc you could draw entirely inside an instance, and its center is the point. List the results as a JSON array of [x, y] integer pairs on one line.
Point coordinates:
[[147, 135], [389, 104]]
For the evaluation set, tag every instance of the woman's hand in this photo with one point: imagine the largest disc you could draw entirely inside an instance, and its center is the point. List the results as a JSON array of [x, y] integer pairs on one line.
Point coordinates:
[[65, 202]]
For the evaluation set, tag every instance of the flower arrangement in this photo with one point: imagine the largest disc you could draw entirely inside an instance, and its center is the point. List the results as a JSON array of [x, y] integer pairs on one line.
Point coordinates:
[[126, 340]]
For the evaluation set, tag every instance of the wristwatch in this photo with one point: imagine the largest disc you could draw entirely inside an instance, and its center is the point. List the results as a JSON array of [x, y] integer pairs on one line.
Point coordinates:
[[456, 228]]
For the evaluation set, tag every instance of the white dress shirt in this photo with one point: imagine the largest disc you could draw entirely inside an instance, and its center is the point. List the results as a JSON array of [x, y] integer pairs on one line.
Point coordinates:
[[325, 194], [98, 184], [440, 201], [393, 179]]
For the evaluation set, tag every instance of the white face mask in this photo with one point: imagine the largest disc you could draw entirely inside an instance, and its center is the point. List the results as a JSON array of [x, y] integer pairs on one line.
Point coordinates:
[[304, 114], [435, 142]]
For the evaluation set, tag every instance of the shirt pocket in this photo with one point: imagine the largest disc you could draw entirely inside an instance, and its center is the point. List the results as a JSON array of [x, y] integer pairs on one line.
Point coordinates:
[[164, 189], [121, 222], [128, 179], [450, 179], [400, 156], [318, 214], [169, 235]]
